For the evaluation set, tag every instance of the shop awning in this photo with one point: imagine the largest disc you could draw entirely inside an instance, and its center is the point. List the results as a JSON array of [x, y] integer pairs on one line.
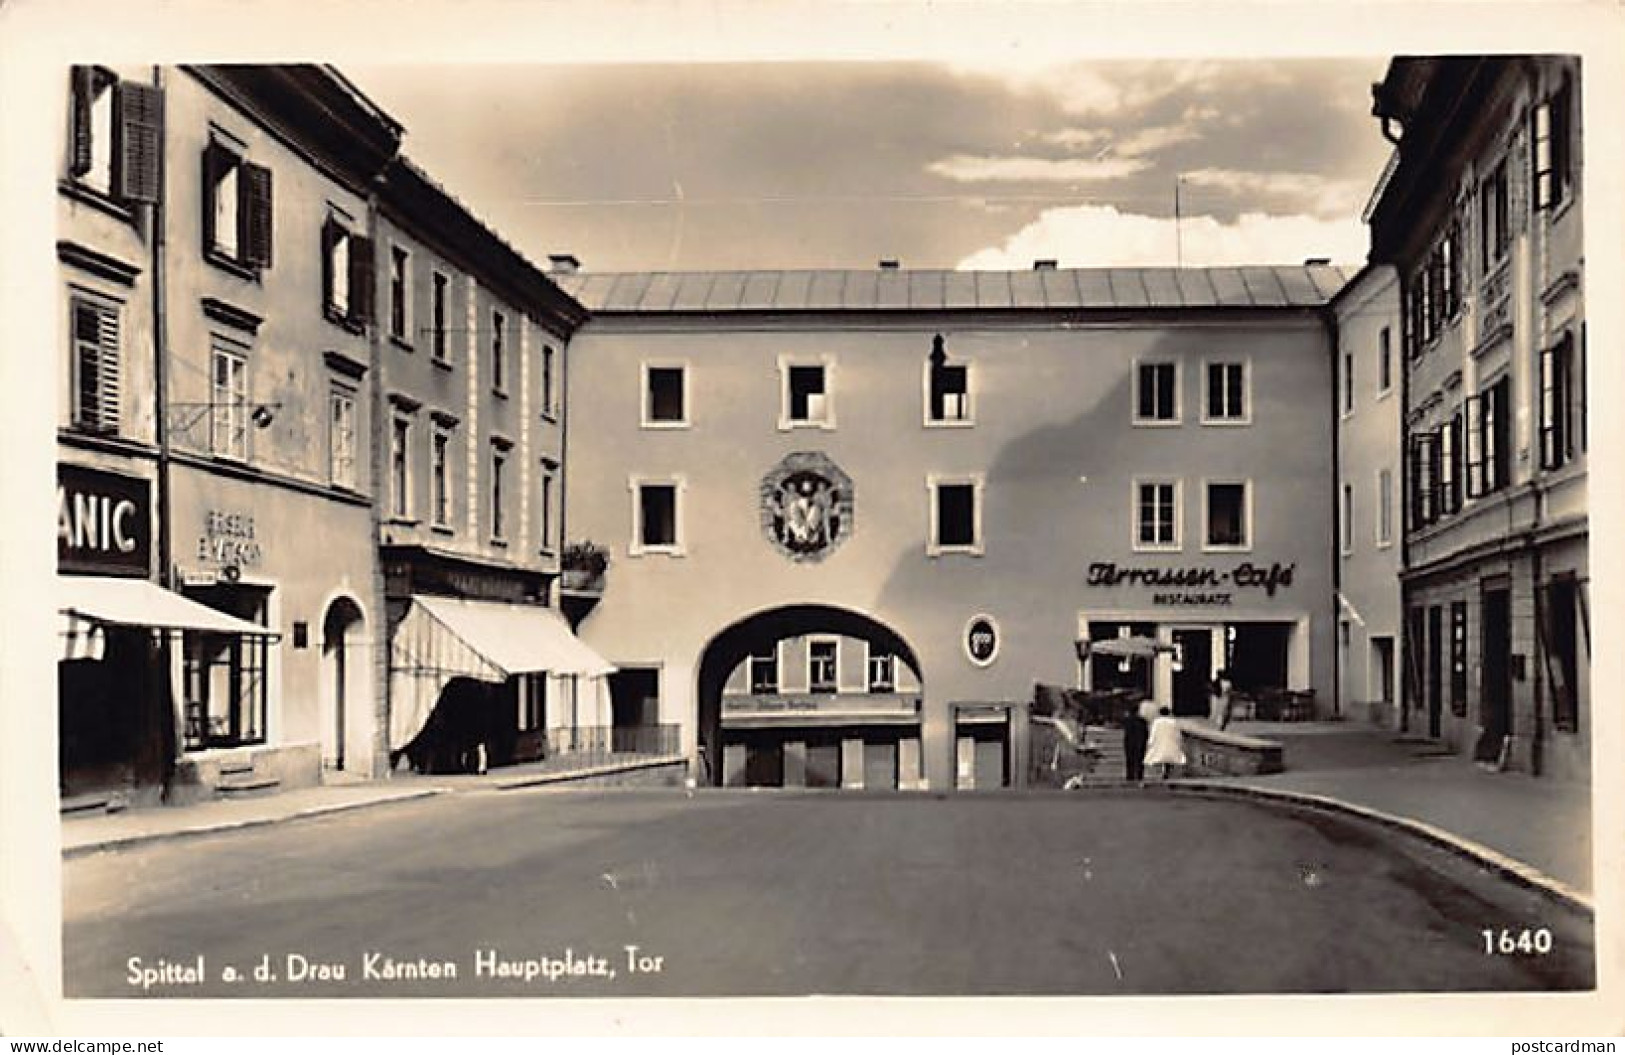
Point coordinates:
[[137, 602], [1129, 647], [515, 638]]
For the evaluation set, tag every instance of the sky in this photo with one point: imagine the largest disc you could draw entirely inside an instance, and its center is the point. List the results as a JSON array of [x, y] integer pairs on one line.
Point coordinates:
[[719, 166]]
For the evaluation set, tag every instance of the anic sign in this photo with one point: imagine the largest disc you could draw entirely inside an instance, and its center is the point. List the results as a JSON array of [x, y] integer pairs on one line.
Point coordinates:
[[102, 522], [806, 506]]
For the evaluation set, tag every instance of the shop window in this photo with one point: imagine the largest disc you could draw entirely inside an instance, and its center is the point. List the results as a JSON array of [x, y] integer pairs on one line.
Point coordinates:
[[764, 670], [532, 702], [656, 515], [1228, 519], [400, 467], [236, 208], [440, 483], [499, 496], [1458, 658], [1156, 395], [400, 295], [1554, 146], [96, 363], [499, 361], [882, 672], [1385, 362], [823, 662], [1557, 404], [1156, 513], [956, 515], [1226, 394], [117, 136], [665, 396], [224, 675], [347, 275], [550, 407], [806, 399], [1562, 651], [1494, 219], [228, 403], [438, 312], [341, 436]]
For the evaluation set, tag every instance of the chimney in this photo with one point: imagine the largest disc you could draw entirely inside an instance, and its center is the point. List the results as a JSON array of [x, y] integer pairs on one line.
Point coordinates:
[[1044, 265], [889, 265], [563, 263], [1318, 261]]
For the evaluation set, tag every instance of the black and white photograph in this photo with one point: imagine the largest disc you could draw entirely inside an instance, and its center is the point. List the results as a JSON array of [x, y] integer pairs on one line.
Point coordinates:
[[921, 503]]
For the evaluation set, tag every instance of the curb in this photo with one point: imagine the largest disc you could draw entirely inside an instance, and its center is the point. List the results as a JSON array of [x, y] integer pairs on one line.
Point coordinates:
[[587, 773], [118, 842], [1509, 868]]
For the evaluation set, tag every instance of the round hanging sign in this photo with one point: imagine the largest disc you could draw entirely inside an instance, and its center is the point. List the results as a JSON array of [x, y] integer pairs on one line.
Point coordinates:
[[982, 640]]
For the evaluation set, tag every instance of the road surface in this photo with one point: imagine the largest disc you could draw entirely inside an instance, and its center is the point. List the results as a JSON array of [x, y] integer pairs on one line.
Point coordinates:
[[626, 893]]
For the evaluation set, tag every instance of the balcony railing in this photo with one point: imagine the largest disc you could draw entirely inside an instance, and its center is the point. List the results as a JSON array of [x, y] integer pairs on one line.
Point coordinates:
[[586, 744]]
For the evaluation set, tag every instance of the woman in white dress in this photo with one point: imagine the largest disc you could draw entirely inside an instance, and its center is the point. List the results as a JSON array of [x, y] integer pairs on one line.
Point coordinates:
[[1167, 744]]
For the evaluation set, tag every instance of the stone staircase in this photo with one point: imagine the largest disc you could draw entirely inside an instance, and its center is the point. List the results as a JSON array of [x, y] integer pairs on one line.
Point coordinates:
[[1101, 763], [239, 780]]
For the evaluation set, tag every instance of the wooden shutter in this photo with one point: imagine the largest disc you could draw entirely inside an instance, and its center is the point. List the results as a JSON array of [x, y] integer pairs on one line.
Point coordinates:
[[1475, 445], [1501, 424], [363, 295], [111, 394], [1454, 494], [138, 141], [97, 389], [216, 160], [331, 233], [255, 202], [83, 91]]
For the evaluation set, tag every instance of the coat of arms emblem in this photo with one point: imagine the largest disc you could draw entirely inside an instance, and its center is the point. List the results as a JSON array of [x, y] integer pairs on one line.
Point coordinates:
[[806, 506]]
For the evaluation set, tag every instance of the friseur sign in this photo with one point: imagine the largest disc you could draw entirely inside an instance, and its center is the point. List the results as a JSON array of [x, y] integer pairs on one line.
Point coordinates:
[[1193, 585], [103, 522]]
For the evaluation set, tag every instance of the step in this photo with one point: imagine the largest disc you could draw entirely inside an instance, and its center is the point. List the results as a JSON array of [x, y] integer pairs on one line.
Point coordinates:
[[246, 787], [94, 802]]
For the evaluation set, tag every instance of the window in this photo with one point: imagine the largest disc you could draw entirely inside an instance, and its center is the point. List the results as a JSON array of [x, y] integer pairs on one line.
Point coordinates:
[[341, 436], [764, 670], [1347, 519], [499, 364], [1554, 147], [947, 390], [95, 363], [806, 395], [400, 294], [400, 477], [346, 275], [440, 477], [1385, 362], [1489, 434], [1156, 393], [656, 517], [1348, 382], [1458, 658], [544, 513], [1557, 410], [822, 664], [882, 672], [1424, 479], [665, 396], [236, 208], [1226, 393], [1156, 513], [117, 135], [550, 407], [1385, 507], [956, 515], [1227, 516], [1494, 232], [224, 675], [228, 403], [499, 470], [1562, 650], [1450, 466], [437, 309], [532, 702]]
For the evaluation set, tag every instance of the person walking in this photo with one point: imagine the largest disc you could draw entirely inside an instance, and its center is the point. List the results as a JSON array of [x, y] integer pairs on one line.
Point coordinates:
[[1166, 747], [1136, 734], [1219, 693]]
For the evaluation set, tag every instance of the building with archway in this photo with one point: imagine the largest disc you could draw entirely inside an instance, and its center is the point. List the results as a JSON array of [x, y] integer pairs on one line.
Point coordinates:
[[854, 515]]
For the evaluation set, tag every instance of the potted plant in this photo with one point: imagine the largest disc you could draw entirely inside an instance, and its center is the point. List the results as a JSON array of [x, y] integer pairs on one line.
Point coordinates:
[[582, 564]]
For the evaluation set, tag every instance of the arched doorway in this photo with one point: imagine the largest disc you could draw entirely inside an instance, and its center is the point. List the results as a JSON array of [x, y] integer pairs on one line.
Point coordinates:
[[346, 702], [810, 695]]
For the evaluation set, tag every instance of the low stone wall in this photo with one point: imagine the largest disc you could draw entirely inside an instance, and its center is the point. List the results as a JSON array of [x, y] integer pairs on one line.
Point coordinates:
[[291, 765], [1214, 752], [654, 773]]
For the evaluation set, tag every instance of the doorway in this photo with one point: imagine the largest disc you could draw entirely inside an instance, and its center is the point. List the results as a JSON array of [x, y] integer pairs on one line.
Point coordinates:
[[1495, 702], [1435, 669], [1195, 671], [343, 675], [634, 701]]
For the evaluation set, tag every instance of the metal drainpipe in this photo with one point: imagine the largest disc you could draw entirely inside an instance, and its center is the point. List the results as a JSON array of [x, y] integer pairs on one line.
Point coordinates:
[[375, 468], [1337, 512], [160, 367]]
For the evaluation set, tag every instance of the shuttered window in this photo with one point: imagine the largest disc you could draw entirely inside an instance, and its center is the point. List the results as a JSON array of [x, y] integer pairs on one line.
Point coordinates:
[[347, 275], [115, 147], [237, 207], [1557, 407], [1496, 426], [1554, 146], [96, 365], [1424, 479]]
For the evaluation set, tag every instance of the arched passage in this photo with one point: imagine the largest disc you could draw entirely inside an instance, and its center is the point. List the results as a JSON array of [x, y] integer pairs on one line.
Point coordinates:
[[345, 687], [823, 679]]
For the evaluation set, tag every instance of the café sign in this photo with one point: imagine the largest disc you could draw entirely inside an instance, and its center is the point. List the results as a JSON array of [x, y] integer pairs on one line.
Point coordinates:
[[1193, 585], [228, 540], [103, 522], [982, 640]]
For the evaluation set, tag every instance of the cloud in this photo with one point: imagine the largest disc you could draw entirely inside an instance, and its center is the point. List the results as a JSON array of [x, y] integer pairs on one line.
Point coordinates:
[[1078, 138], [965, 168], [1101, 236], [1156, 138], [1324, 195]]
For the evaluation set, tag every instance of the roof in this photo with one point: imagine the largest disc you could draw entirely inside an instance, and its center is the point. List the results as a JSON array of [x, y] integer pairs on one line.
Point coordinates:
[[1138, 288]]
